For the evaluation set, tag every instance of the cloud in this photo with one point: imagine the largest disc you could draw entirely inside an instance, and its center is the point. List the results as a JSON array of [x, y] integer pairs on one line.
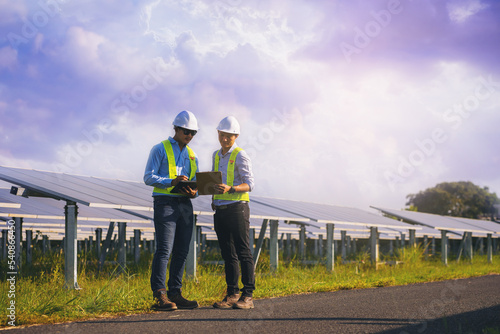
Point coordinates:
[[461, 11], [100, 83]]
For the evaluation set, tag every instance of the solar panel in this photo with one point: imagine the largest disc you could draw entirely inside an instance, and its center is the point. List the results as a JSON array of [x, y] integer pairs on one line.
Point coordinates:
[[323, 213], [84, 190], [5, 203], [45, 208], [476, 223], [436, 221], [257, 211]]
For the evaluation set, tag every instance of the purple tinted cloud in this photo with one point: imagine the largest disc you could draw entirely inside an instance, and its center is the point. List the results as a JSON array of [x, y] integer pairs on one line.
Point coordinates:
[[364, 81]]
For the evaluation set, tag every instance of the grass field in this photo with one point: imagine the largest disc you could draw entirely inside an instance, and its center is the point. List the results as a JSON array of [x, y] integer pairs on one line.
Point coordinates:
[[41, 298]]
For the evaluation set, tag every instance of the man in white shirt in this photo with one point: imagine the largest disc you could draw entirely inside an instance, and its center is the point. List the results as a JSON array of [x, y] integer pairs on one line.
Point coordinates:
[[232, 215]]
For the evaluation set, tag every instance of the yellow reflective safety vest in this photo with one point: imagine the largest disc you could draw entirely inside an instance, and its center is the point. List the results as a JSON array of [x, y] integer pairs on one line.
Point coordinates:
[[237, 196], [172, 168]]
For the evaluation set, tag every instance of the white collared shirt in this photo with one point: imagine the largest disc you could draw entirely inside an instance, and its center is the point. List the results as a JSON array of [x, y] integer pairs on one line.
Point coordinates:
[[242, 170]]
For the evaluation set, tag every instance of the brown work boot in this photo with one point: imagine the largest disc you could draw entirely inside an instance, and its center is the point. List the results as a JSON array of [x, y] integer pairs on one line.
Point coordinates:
[[162, 301], [244, 303], [183, 303], [228, 301]]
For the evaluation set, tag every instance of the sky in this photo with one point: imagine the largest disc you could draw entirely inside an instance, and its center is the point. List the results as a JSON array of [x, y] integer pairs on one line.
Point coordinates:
[[349, 103]]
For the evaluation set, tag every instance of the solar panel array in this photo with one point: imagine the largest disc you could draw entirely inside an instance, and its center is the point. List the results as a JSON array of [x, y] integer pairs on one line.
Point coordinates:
[[134, 203], [323, 213], [47, 216]]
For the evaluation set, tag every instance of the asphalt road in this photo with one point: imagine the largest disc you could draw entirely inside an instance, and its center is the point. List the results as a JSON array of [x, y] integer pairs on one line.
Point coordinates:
[[456, 306]]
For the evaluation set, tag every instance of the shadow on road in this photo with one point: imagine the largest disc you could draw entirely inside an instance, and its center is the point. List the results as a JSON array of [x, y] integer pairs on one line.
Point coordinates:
[[467, 323]]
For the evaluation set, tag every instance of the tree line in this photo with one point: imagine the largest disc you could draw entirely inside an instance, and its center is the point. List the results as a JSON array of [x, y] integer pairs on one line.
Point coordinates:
[[459, 199]]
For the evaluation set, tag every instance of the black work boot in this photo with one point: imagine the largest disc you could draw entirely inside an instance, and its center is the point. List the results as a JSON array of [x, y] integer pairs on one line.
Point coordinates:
[[162, 301], [183, 303], [228, 301]]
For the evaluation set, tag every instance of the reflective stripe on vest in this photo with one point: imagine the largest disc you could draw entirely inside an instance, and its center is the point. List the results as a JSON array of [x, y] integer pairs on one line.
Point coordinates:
[[172, 168], [239, 196]]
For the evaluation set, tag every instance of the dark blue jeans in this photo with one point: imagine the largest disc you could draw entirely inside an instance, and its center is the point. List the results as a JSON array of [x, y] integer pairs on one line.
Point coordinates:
[[232, 226], [173, 220]]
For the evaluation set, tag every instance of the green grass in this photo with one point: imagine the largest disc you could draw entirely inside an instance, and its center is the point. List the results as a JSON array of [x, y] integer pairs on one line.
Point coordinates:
[[41, 298]]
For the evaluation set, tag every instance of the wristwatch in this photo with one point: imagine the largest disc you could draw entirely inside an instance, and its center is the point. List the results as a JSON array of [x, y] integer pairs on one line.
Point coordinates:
[[232, 190]]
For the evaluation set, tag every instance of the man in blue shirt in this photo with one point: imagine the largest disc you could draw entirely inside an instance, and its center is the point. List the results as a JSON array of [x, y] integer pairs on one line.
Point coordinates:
[[232, 215], [170, 162]]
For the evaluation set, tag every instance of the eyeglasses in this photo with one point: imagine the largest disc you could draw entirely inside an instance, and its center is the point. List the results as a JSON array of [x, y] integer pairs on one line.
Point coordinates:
[[187, 131]]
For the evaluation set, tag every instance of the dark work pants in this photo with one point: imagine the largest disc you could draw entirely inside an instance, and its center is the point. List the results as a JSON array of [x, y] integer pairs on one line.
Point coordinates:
[[232, 226], [173, 219]]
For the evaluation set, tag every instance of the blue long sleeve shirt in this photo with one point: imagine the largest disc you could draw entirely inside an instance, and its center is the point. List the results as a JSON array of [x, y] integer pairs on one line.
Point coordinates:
[[157, 171]]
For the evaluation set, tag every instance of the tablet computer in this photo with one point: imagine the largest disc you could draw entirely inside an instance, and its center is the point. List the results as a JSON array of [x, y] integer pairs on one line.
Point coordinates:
[[206, 182], [182, 184]]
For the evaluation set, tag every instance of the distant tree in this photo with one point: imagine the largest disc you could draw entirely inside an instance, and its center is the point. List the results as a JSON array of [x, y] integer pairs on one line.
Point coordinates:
[[459, 199]]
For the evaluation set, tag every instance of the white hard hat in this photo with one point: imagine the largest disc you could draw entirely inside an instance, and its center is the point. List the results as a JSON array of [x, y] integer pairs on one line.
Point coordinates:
[[229, 124], [186, 119]]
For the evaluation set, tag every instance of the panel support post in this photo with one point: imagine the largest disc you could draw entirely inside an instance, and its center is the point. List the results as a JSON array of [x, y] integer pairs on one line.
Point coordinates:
[[192, 256], [412, 238], [489, 248], [29, 250], [374, 245], [122, 254], [444, 248], [4, 243], [45, 244], [330, 248], [70, 243], [302, 246], [343, 246], [320, 246], [289, 245], [137, 247], [18, 235], [107, 244], [480, 245], [469, 245], [462, 247], [426, 247], [198, 240], [204, 244], [273, 245], [260, 241], [98, 240], [349, 244], [252, 240]]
